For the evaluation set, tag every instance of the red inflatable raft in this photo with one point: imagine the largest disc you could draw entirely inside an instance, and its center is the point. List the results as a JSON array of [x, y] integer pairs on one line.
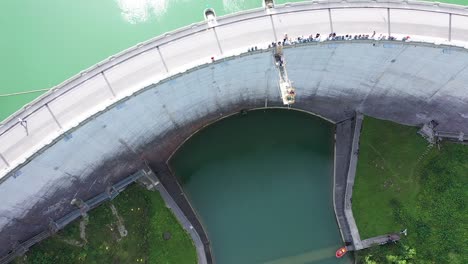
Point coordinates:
[[341, 252]]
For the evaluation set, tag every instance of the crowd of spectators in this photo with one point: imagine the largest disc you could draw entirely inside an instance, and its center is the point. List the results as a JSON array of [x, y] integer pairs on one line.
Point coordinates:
[[331, 37]]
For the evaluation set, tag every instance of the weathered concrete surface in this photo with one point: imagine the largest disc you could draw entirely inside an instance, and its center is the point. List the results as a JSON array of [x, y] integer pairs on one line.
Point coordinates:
[[112, 145], [407, 83]]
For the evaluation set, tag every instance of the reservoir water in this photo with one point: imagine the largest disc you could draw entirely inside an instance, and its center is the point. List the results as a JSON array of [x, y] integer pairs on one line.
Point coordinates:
[[49, 41], [261, 184]]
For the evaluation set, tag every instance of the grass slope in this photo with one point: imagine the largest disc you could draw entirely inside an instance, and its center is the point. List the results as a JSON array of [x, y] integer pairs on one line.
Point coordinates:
[[396, 189], [386, 171], [145, 217]]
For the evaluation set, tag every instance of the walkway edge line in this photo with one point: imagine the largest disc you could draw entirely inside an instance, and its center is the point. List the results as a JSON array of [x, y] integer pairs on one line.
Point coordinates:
[[172, 205]]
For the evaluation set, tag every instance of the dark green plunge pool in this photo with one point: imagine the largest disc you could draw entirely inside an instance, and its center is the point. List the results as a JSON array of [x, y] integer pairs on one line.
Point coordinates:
[[262, 185]]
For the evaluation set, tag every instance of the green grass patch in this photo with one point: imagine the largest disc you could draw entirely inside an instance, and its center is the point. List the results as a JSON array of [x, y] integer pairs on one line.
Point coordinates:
[[400, 183], [386, 171], [145, 217]]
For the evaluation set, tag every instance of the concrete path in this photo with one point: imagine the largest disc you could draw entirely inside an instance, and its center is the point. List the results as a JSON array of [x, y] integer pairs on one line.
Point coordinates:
[[379, 240], [343, 141], [171, 204], [350, 182]]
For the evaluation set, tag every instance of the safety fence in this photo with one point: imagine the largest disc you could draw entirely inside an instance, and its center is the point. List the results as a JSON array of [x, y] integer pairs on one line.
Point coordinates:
[[457, 137], [67, 105]]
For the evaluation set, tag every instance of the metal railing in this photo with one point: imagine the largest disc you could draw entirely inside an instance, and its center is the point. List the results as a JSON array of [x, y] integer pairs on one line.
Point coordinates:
[[65, 106], [61, 223]]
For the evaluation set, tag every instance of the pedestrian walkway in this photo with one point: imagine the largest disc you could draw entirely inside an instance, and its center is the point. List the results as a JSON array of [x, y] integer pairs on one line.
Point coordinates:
[[172, 205], [348, 208], [343, 140]]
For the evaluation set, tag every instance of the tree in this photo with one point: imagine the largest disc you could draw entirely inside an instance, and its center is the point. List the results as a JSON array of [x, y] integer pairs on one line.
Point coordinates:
[[406, 255]]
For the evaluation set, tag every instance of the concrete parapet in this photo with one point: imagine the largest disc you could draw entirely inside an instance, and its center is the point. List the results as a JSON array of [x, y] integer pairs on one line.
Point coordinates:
[[343, 142], [348, 210]]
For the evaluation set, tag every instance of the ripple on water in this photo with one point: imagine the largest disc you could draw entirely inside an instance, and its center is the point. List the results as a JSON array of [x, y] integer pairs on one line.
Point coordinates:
[[137, 11]]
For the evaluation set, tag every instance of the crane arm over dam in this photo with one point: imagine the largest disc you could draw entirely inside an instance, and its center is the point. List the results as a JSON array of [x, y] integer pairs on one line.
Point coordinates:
[[287, 91]]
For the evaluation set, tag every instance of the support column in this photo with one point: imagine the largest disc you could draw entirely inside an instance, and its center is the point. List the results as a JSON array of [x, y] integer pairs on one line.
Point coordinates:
[[388, 22], [274, 29], [53, 116], [4, 160], [217, 41], [108, 84], [331, 21], [162, 59], [450, 28]]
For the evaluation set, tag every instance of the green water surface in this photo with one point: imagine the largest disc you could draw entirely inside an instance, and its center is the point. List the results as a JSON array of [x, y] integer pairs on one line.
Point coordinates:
[[262, 186], [45, 42]]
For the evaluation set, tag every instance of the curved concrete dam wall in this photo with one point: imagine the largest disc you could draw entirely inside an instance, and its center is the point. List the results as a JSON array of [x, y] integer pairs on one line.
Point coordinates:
[[75, 154]]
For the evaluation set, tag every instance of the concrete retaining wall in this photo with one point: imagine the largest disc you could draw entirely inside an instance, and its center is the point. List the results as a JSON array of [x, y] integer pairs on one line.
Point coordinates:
[[100, 126], [406, 83]]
